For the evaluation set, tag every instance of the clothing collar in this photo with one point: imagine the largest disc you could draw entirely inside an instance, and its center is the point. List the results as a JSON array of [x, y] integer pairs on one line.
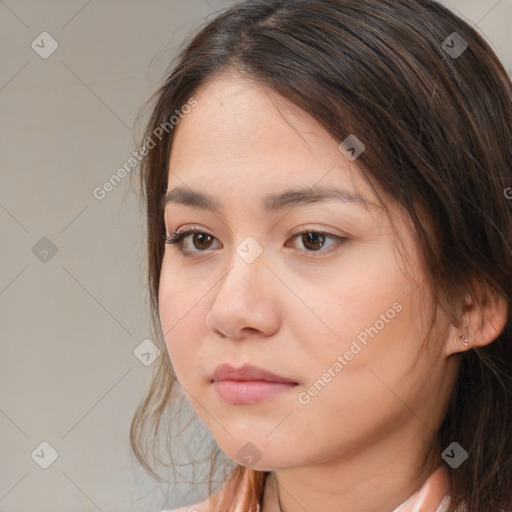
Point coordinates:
[[433, 496]]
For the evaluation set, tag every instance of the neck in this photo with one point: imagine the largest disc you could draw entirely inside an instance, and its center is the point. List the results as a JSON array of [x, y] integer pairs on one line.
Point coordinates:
[[379, 477]]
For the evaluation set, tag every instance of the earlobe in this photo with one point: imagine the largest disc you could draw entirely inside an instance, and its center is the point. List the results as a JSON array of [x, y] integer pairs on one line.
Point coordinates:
[[464, 340], [481, 324]]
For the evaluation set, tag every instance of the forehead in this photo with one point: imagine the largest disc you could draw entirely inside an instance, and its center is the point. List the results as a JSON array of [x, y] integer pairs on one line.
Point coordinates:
[[235, 115], [243, 140]]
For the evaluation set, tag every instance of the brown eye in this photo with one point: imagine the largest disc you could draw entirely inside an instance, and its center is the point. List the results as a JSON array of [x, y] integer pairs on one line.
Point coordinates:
[[202, 241], [313, 240], [197, 241]]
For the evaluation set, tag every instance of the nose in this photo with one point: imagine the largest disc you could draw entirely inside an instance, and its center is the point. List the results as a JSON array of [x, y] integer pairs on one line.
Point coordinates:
[[245, 301]]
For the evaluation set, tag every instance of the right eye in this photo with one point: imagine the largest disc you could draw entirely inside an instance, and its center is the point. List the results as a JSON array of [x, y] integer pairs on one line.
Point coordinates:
[[200, 240]]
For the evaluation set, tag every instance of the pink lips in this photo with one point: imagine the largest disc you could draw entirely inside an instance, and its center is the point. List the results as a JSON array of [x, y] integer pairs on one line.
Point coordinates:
[[248, 384]]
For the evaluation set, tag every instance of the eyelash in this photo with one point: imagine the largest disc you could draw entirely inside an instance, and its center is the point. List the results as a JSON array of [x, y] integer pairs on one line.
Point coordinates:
[[177, 238]]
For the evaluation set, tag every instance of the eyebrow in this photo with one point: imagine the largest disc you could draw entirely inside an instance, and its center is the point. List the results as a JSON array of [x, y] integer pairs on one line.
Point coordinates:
[[272, 202]]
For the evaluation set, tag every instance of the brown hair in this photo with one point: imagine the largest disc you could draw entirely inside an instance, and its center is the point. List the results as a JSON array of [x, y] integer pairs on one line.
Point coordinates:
[[438, 133]]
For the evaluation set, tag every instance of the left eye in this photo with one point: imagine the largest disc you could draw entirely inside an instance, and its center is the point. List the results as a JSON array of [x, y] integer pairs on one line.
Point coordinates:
[[314, 241]]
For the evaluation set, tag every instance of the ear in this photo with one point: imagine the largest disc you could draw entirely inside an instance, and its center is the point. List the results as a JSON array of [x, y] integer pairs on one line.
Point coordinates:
[[481, 323]]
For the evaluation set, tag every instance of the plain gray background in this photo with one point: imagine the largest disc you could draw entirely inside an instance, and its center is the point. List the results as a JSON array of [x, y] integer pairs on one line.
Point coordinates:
[[72, 275]]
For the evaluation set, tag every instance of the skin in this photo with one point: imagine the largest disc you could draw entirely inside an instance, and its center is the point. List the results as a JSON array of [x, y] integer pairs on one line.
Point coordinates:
[[358, 444]]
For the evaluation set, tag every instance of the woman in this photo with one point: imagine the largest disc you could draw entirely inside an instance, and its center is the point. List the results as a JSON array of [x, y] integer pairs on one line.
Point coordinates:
[[330, 265]]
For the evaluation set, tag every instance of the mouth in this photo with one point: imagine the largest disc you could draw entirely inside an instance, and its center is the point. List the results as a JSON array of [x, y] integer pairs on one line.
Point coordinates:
[[248, 384]]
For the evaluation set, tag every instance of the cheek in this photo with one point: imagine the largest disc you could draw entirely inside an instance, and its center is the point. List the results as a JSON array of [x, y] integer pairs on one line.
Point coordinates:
[[371, 291], [375, 315], [181, 297], [182, 313]]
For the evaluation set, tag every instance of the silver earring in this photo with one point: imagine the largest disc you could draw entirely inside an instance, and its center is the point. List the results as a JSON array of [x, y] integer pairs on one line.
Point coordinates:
[[463, 339]]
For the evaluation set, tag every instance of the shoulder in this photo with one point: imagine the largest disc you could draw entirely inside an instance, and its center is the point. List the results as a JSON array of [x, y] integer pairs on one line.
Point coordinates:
[[207, 505], [203, 506]]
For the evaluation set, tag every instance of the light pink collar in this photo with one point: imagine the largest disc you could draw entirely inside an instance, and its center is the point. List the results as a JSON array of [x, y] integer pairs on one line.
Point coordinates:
[[432, 497]]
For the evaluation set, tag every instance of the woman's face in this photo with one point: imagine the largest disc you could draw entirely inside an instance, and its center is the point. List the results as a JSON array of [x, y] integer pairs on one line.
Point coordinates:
[[343, 318]]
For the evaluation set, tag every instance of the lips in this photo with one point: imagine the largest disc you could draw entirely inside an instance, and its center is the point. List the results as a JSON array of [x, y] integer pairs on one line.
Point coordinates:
[[247, 372], [249, 384]]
